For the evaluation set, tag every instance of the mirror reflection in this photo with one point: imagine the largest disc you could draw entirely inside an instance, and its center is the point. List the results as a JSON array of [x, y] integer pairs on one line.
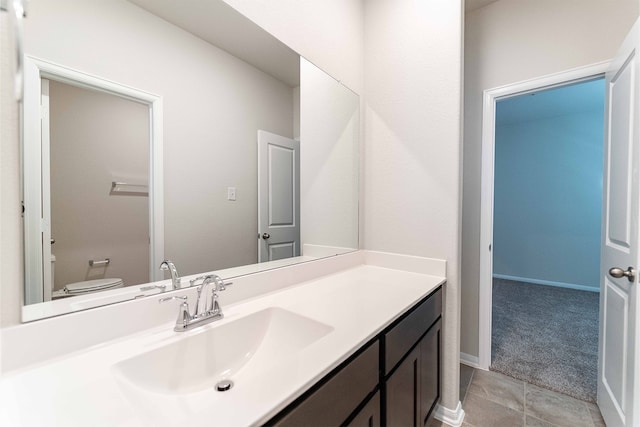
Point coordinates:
[[258, 150]]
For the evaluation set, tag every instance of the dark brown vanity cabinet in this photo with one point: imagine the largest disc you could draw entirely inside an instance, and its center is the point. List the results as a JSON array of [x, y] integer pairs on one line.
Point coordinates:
[[369, 415], [392, 381], [412, 365], [412, 389]]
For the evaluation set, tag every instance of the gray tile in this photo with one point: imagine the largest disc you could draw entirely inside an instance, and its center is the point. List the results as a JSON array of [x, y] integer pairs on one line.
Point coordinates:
[[534, 422], [596, 416], [498, 388], [556, 408], [466, 372], [481, 412]]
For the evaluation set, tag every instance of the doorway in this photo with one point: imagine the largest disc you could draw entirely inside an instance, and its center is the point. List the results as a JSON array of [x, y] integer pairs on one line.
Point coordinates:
[[41, 78], [491, 99], [546, 236]]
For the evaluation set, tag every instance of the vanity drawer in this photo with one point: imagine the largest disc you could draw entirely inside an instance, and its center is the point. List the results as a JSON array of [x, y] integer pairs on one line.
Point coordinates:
[[333, 402], [405, 334]]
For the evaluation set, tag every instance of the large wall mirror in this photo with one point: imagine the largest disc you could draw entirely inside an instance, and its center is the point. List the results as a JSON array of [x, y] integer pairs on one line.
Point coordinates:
[[159, 129]]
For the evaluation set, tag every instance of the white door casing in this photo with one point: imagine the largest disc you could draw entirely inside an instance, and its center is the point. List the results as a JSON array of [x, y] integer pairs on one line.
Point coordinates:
[[618, 355], [36, 153], [278, 197], [491, 97]]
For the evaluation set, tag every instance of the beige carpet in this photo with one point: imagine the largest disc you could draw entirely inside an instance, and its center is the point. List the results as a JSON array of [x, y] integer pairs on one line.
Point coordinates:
[[546, 336]]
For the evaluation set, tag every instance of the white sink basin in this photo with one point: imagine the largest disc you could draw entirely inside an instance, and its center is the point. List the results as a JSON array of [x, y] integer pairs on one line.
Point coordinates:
[[236, 350]]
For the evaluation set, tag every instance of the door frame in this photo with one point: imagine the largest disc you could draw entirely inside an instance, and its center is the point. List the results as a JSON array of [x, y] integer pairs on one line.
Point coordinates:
[[490, 97], [35, 70]]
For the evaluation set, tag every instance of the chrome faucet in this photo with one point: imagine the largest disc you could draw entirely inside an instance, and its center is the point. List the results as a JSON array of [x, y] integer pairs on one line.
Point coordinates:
[[218, 285], [211, 311], [175, 277]]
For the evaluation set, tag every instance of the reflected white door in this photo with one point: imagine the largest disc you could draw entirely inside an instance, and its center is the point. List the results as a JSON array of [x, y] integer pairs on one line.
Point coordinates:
[[278, 197], [619, 355]]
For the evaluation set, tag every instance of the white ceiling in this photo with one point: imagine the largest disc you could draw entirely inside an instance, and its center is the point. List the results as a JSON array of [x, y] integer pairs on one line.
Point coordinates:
[[224, 27], [470, 5], [571, 99]]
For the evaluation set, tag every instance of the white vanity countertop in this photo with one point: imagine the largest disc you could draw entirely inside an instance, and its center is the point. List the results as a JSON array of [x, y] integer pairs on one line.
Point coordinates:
[[80, 389]]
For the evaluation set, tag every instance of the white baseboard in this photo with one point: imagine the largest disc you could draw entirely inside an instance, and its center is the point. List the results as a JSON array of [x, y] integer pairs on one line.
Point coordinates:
[[470, 360], [450, 417], [548, 283]]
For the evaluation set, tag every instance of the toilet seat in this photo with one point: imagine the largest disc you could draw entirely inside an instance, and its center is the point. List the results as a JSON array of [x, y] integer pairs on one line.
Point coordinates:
[[89, 286]]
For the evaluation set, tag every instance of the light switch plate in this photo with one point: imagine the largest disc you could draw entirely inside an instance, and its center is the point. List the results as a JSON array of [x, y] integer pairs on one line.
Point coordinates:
[[231, 193]]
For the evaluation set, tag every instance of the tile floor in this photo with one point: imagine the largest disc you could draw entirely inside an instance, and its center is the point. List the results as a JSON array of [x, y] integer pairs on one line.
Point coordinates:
[[490, 399]]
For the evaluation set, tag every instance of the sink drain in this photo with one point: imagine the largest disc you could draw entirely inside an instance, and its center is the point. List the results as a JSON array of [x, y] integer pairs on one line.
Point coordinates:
[[224, 385]]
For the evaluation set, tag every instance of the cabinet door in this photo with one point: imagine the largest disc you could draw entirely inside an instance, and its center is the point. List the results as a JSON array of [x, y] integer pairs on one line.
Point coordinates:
[[369, 416], [403, 389], [429, 371]]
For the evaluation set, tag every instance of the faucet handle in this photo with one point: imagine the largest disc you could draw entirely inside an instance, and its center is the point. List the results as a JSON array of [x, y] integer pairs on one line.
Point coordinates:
[[184, 317], [192, 282], [214, 308], [220, 283]]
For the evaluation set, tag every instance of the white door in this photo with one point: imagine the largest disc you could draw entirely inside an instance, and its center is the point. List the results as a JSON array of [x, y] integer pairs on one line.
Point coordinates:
[[619, 355], [278, 197]]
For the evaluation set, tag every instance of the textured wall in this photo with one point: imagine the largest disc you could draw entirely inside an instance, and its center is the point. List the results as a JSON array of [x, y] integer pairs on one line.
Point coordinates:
[[412, 161]]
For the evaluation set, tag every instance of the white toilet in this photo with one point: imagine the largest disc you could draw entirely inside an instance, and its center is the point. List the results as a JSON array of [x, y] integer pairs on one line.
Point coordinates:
[[85, 287]]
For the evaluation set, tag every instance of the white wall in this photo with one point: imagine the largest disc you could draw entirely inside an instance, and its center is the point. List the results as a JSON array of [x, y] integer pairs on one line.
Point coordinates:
[[413, 63], [511, 41], [97, 138], [329, 151]]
